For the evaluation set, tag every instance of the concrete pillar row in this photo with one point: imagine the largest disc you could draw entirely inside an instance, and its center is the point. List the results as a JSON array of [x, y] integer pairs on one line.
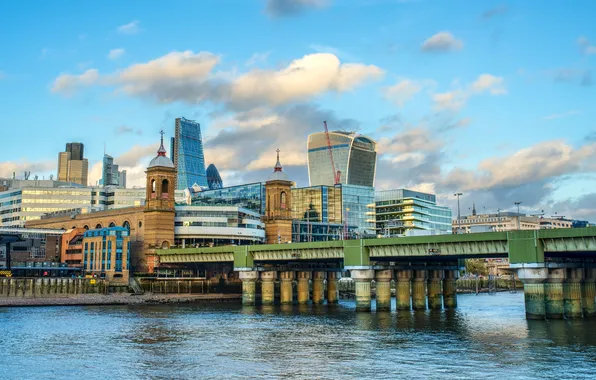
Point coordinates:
[[362, 279], [553, 293], [268, 287], [249, 279], [572, 293], [286, 287], [533, 280], [435, 299], [402, 289], [332, 290], [303, 287], [450, 289], [419, 290], [318, 287], [383, 288], [589, 292]]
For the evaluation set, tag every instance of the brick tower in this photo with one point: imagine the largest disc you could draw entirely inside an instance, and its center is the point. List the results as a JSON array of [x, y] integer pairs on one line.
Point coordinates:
[[278, 206], [159, 206]]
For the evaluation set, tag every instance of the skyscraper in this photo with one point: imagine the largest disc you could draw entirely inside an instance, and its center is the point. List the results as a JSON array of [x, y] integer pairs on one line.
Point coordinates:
[[110, 175], [354, 156], [213, 178], [188, 154], [72, 166]]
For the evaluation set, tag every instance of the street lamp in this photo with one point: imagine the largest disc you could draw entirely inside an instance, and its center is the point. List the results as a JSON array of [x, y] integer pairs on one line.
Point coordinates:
[[517, 204], [458, 215]]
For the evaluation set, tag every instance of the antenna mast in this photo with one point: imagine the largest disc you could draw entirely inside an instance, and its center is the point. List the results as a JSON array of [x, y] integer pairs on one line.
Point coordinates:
[[336, 175]]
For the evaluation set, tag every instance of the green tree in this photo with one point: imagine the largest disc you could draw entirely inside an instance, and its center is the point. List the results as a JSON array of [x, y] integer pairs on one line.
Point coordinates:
[[477, 267]]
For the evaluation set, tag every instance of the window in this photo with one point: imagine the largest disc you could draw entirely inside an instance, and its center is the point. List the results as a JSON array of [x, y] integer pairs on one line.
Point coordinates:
[[165, 186]]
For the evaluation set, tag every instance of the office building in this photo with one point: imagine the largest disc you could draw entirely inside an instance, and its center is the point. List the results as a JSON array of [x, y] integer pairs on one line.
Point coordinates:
[[189, 160], [403, 212], [506, 221], [317, 214], [250, 196], [110, 173], [106, 253], [32, 246], [213, 178], [72, 166], [354, 156]]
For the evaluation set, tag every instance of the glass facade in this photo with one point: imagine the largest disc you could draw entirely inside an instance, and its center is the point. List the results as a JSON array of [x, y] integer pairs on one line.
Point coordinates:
[[303, 231], [106, 251], [353, 155], [250, 196], [317, 204], [403, 212], [189, 159], [213, 178], [358, 206]]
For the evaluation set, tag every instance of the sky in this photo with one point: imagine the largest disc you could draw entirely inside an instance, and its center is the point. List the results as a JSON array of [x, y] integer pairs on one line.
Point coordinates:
[[493, 99]]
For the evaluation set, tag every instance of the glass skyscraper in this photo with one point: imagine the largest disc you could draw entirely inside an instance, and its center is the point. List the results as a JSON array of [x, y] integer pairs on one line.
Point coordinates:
[[354, 156], [188, 154]]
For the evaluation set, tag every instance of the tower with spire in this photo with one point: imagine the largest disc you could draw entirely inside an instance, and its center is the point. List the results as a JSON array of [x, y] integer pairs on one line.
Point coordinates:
[[278, 206], [159, 210]]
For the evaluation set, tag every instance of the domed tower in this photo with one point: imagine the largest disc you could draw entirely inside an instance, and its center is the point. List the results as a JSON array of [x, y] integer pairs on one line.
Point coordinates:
[[159, 206], [278, 206]]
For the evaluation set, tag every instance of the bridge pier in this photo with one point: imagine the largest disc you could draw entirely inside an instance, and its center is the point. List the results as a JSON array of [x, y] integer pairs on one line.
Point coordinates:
[[450, 289], [433, 286], [249, 279], [268, 288], [533, 280], [572, 293], [318, 287], [332, 291], [303, 287], [383, 288], [419, 290], [589, 292], [285, 289], [362, 279], [402, 289], [553, 290]]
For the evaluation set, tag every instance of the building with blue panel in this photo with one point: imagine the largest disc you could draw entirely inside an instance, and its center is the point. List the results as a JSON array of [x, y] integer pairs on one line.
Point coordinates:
[[188, 154], [250, 196], [213, 178], [106, 253]]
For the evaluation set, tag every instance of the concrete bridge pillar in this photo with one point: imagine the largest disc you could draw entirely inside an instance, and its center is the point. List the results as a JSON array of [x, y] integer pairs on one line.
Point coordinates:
[[303, 287], [435, 301], [572, 293], [450, 289], [402, 289], [553, 291], [268, 287], [419, 290], [249, 279], [383, 286], [533, 280], [318, 287], [362, 279], [589, 292], [332, 291], [286, 291]]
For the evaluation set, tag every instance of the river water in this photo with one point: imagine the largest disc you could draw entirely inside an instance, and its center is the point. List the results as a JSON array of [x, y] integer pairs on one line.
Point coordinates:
[[486, 337]]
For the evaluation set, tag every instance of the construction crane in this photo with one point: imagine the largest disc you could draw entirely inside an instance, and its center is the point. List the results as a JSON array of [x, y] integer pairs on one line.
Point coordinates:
[[336, 174]]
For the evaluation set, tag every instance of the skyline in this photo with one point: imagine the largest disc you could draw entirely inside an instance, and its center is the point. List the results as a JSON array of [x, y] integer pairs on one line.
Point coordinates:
[[490, 100]]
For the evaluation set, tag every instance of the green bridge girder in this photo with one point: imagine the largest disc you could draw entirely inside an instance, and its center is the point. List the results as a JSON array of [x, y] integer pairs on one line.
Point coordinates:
[[521, 247]]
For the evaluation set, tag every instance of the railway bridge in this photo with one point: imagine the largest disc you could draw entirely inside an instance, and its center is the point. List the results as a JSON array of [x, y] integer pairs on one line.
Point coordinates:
[[557, 267]]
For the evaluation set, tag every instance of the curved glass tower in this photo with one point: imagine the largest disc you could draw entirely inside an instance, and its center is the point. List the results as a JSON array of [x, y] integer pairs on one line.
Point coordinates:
[[354, 156], [213, 178], [188, 154]]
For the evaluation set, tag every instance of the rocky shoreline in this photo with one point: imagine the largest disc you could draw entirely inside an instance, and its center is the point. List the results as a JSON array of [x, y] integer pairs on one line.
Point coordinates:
[[118, 299]]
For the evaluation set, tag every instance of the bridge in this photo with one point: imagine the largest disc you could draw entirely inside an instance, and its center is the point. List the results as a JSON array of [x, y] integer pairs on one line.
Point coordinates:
[[557, 267]]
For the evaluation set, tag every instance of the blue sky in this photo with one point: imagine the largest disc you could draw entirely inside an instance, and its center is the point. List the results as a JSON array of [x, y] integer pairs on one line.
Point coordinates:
[[491, 98]]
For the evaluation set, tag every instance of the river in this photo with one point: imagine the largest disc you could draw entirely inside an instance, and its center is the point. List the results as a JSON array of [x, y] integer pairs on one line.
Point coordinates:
[[486, 337]]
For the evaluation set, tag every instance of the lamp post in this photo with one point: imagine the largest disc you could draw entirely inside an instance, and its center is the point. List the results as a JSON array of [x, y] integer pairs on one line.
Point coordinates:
[[518, 223], [458, 215]]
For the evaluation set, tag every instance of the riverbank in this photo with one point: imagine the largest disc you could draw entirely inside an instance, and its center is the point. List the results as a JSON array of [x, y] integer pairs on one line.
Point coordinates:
[[118, 299]]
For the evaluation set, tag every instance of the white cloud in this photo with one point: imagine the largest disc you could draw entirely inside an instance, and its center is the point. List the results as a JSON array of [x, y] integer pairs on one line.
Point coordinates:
[[440, 42], [114, 54], [454, 100], [489, 83], [130, 28], [41, 168], [562, 115], [67, 84], [257, 58], [402, 91], [586, 47]]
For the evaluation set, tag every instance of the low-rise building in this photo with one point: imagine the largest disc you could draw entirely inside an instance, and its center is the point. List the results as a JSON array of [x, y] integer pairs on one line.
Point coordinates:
[[106, 253], [506, 221]]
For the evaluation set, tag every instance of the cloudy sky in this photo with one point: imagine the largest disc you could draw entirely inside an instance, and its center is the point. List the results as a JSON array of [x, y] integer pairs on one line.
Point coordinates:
[[494, 99]]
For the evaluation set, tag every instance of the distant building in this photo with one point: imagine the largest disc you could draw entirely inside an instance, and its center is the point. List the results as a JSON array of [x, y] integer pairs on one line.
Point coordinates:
[[33, 246], [72, 166], [213, 178], [400, 212], [110, 175], [354, 156], [506, 221], [188, 156]]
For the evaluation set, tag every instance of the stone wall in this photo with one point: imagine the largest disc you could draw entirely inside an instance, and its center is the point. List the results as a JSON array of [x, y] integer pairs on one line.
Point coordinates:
[[50, 287]]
